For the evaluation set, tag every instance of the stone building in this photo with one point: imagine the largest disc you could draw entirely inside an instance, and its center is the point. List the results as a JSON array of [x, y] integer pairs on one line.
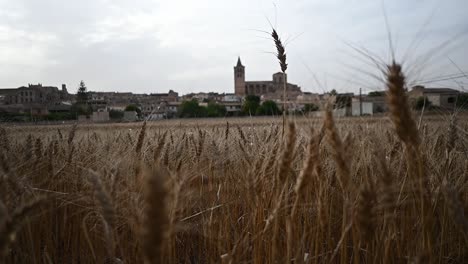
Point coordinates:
[[34, 99], [171, 96], [444, 98], [148, 103], [35, 94], [268, 90]]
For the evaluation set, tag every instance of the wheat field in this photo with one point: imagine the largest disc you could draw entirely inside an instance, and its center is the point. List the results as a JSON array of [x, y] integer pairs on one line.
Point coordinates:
[[345, 190]]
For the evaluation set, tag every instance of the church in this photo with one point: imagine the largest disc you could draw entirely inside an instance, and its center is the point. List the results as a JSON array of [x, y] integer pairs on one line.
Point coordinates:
[[267, 90]]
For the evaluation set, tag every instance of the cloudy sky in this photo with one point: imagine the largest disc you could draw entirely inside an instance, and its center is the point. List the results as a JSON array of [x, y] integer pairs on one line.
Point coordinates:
[[149, 46]]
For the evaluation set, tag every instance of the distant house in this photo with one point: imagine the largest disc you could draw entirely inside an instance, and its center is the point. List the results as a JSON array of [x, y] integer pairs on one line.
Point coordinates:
[[101, 116], [117, 107], [377, 101], [172, 108], [171, 96], [231, 98], [444, 98], [232, 107], [130, 116], [35, 94], [34, 99], [362, 108]]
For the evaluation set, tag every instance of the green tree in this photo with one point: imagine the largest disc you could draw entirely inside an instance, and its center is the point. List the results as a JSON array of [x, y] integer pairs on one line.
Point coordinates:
[[116, 114], [376, 93], [268, 108], [191, 109], [422, 102], [462, 101], [251, 103], [81, 106], [135, 108], [82, 94], [333, 92], [343, 100], [215, 110], [310, 108], [81, 109]]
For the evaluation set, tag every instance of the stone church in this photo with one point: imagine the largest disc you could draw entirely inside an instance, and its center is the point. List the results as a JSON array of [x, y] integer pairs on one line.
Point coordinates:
[[267, 90]]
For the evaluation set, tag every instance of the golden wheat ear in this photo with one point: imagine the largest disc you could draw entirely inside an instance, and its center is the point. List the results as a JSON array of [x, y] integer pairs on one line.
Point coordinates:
[[141, 139], [281, 51], [156, 221], [338, 149], [10, 224], [400, 113], [107, 210], [281, 56]]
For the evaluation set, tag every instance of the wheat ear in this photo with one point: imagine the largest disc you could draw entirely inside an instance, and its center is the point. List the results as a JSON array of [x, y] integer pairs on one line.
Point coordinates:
[[156, 219]]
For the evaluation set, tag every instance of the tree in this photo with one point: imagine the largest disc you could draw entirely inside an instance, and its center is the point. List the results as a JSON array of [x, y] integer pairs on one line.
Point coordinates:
[[81, 109], [333, 92], [462, 101], [215, 110], [376, 93], [310, 108], [82, 94], [81, 106], [134, 108], [116, 114], [191, 109], [251, 103], [342, 101], [422, 102], [268, 108]]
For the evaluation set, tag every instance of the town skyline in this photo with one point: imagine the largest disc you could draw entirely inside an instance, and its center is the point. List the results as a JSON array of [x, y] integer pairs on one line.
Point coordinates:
[[126, 46]]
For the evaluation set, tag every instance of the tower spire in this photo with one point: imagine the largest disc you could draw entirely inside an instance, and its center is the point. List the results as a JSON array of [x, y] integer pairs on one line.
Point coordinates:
[[239, 78], [239, 63]]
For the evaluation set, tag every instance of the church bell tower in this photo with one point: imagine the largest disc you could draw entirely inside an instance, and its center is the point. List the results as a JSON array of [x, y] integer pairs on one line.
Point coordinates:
[[239, 78]]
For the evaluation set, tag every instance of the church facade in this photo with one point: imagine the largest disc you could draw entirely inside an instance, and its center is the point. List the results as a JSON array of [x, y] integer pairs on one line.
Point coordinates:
[[267, 90]]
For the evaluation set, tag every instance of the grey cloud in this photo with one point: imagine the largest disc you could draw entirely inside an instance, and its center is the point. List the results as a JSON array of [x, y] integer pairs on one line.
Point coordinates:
[[154, 46]]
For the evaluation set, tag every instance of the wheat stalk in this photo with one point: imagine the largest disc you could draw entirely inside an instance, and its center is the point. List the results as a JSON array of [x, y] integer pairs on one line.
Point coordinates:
[[155, 220]]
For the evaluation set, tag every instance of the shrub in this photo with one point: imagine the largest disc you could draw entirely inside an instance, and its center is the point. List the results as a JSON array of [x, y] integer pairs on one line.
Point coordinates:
[[268, 108], [421, 102]]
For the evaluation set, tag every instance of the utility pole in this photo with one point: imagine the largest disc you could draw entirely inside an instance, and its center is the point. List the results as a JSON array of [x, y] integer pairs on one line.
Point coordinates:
[[360, 101]]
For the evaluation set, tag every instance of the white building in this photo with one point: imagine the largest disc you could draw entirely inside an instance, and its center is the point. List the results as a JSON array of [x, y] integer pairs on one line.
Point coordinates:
[[367, 108]]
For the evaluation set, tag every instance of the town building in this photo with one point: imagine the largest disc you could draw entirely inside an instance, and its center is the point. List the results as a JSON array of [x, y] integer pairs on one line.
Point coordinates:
[[233, 103], [171, 96], [35, 99], [267, 90], [362, 108], [444, 98]]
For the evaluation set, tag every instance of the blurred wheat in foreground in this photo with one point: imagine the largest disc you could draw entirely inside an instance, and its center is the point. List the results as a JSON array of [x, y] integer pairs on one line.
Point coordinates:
[[328, 191]]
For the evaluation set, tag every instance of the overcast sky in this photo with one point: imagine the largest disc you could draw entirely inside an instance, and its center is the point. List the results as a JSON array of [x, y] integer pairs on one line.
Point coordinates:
[[149, 46]]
